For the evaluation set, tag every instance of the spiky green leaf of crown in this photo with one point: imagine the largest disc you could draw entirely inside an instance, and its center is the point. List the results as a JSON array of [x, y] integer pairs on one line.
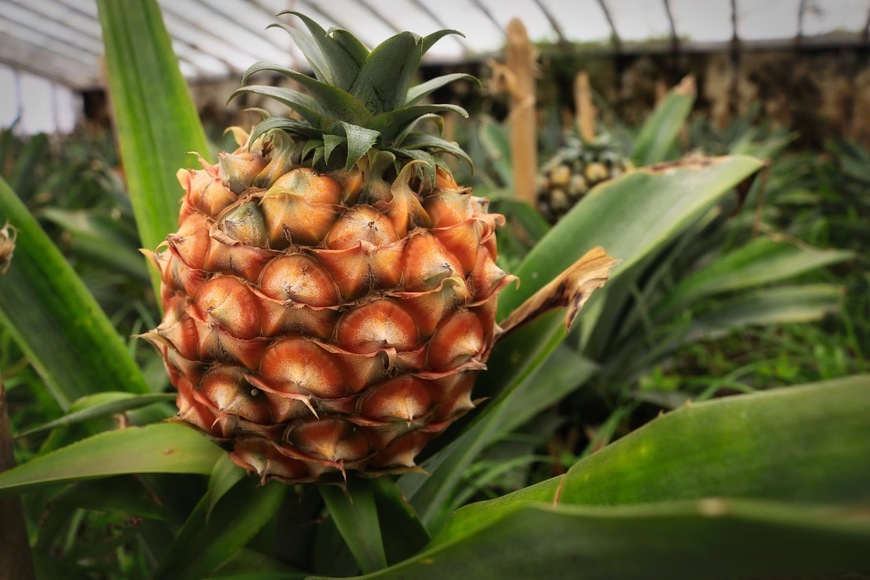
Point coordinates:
[[359, 100]]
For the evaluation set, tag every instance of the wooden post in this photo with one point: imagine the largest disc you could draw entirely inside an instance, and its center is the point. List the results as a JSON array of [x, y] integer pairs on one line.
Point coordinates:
[[524, 146], [15, 559], [584, 110]]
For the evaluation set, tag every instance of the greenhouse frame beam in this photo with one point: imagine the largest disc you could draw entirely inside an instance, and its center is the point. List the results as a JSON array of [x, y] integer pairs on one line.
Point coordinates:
[[55, 66], [480, 6], [440, 23], [617, 41], [554, 23], [379, 16], [675, 40]]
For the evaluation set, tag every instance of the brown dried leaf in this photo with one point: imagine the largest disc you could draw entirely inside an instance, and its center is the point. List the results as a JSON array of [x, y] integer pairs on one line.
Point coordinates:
[[8, 235], [570, 289]]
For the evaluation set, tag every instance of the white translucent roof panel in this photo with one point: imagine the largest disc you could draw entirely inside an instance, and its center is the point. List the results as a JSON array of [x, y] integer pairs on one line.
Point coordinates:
[[580, 20], [61, 39], [638, 20], [768, 20], [481, 33], [704, 21], [827, 16], [533, 18], [9, 103]]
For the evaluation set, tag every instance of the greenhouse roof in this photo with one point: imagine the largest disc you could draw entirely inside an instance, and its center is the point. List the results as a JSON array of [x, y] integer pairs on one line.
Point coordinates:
[[59, 41]]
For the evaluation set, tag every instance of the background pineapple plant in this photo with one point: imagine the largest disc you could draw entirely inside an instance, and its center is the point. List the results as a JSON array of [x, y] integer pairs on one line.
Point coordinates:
[[577, 167], [582, 160], [626, 509]]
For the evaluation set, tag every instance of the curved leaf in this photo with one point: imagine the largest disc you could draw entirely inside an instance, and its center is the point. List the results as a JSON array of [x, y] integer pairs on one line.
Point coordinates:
[[632, 217], [657, 137], [333, 102], [159, 448], [55, 320], [299, 102], [355, 513], [359, 141], [699, 539], [209, 538], [761, 261], [383, 80], [392, 123], [99, 405], [341, 60], [423, 89], [146, 84]]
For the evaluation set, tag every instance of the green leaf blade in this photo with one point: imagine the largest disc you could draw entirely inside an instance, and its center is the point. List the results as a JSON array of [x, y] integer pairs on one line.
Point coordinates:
[[158, 448], [673, 540], [146, 84], [54, 318], [210, 537], [356, 515]]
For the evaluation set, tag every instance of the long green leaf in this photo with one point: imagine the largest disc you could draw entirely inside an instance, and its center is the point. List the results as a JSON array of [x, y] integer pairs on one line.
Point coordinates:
[[809, 443], [779, 305], [209, 537], [340, 61], [700, 539], [658, 135], [382, 83], [333, 102], [355, 514], [431, 492], [55, 320], [631, 217], [159, 448], [761, 261], [99, 405], [156, 120], [100, 238]]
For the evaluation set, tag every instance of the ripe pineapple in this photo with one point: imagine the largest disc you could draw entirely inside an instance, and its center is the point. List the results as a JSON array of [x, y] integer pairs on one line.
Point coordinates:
[[577, 167], [330, 293]]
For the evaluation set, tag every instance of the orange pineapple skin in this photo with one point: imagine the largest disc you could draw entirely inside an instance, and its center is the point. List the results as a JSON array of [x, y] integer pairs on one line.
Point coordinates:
[[319, 324]]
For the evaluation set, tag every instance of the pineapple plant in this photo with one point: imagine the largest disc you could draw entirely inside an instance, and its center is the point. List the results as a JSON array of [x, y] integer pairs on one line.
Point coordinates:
[[582, 161], [330, 293]]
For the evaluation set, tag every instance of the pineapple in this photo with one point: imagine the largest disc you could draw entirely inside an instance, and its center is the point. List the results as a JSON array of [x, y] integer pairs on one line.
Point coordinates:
[[582, 161], [330, 293], [577, 167]]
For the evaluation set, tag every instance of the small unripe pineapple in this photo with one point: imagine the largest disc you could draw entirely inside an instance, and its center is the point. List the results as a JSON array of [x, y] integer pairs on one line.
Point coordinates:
[[330, 293], [575, 169]]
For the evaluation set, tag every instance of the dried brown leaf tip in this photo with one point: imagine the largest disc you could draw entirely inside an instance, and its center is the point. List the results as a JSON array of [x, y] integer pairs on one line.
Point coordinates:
[[571, 289], [8, 235]]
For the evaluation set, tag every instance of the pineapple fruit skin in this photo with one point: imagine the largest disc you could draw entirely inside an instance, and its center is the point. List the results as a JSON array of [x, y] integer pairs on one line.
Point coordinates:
[[323, 323]]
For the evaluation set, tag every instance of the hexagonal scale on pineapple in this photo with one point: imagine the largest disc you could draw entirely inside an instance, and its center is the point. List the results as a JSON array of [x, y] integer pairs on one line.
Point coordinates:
[[457, 340], [244, 223], [363, 267], [427, 262], [361, 223], [301, 367], [401, 399], [238, 170], [227, 301], [377, 325]]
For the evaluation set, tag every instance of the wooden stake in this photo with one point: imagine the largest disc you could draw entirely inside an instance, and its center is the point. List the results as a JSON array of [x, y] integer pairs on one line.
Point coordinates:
[[584, 109], [521, 64]]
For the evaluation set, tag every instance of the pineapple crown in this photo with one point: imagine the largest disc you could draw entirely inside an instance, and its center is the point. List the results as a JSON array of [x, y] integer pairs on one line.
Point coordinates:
[[359, 101]]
